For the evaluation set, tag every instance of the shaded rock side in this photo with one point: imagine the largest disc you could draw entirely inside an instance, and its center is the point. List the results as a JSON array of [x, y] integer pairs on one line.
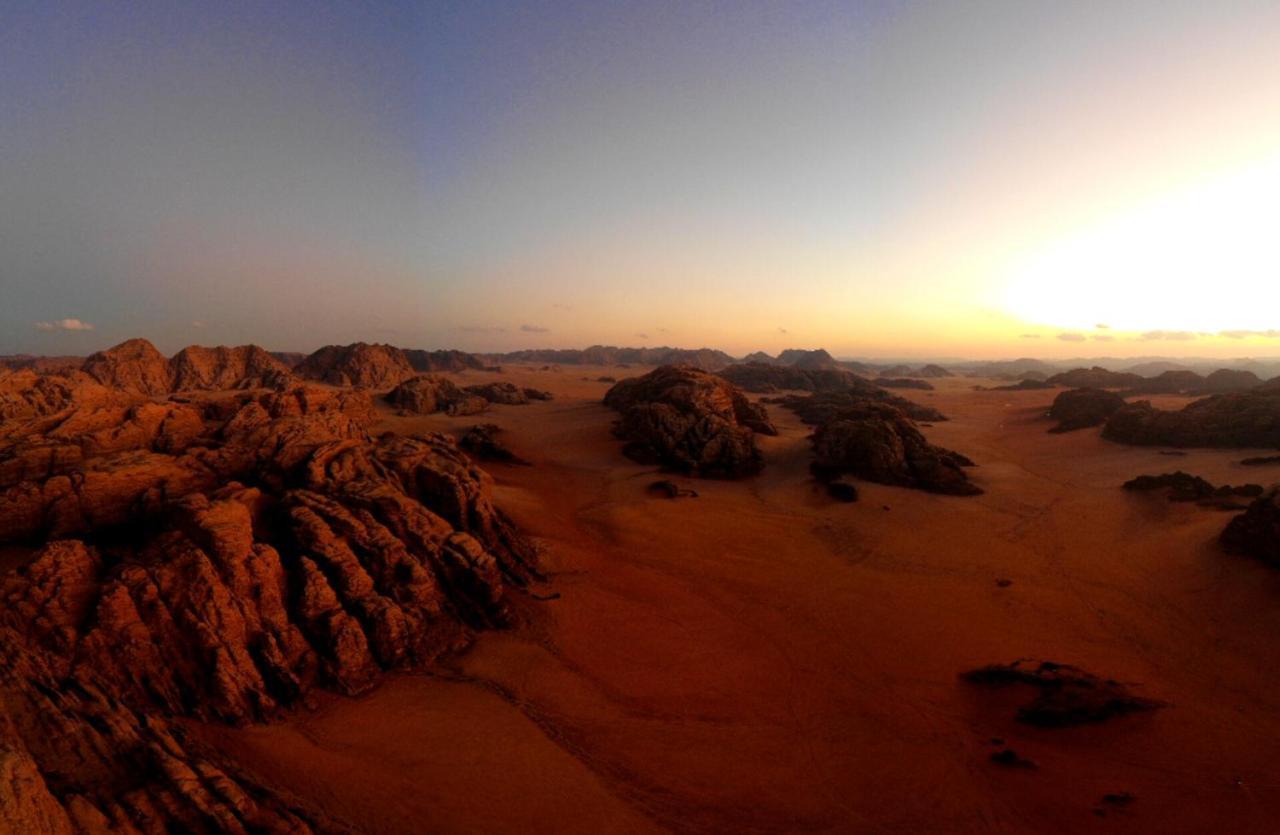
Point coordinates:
[[876, 442], [1244, 419], [690, 421], [1082, 408]]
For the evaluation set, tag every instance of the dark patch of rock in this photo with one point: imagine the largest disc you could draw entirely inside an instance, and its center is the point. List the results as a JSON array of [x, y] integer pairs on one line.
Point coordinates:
[[1065, 695], [690, 421], [1081, 408]]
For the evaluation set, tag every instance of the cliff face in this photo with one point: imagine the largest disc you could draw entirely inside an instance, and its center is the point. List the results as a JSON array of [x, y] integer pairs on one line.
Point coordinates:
[[213, 369]]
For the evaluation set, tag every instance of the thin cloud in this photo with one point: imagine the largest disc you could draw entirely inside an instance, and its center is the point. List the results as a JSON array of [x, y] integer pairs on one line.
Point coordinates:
[[1171, 336], [1030, 336], [1102, 327], [481, 329], [783, 330], [642, 336], [198, 325], [1071, 337], [534, 329], [1103, 337], [1268, 334], [64, 325]]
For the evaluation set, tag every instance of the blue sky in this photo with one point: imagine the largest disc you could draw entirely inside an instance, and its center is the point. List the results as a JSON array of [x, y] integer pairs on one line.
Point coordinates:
[[873, 177]]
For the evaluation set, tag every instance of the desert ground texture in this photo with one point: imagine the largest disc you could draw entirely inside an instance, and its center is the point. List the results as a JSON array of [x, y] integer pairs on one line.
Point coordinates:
[[763, 659]]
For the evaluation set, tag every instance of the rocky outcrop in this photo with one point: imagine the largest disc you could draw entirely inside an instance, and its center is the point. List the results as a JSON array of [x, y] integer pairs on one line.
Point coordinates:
[[377, 367], [689, 421], [26, 394], [1096, 378], [135, 367], [904, 383], [1226, 380], [1064, 695], [815, 360], [876, 442], [820, 407], [706, 359], [482, 442], [761, 377], [1184, 487], [1081, 408], [1256, 532], [1174, 381], [508, 393], [443, 360], [216, 369], [1244, 419], [429, 393], [932, 372]]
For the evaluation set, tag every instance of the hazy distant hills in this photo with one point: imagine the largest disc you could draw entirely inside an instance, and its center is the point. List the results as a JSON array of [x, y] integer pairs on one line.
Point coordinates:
[[711, 359]]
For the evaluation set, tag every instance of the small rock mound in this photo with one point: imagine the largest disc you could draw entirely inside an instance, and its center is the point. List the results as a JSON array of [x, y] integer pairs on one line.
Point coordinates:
[[1081, 408], [430, 393], [1184, 487], [377, 367], [905, 383], [822, 406], [482, 442], [878, 443], [690, 421], [1256, 532], [1066, 695], [508, 393], [767, 377]]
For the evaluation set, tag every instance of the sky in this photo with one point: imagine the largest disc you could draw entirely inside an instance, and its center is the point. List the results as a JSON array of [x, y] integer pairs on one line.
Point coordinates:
[[978, 179]]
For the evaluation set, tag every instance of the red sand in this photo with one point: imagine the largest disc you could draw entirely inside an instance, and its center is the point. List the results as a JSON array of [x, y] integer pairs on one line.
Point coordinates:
[[761, 659]]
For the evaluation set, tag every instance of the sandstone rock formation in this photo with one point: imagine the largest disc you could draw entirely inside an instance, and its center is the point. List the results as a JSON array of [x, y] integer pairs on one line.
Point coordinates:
[[134, 366], [377, 367], [428, 393], [1184, 487], [820, 407], [218, 558], [213, 369], [1256, 532], [508, 393], [482, 443], [1081, 408], [706, 359], [876, 442], [761, 377], [1243, 419], [444, 360], [689, 421], [1065, 695], [815, 360], [1096, 378], [932, 372]]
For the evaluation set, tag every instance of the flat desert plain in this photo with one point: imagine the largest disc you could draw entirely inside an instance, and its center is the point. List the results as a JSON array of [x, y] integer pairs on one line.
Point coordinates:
[[763, 659]]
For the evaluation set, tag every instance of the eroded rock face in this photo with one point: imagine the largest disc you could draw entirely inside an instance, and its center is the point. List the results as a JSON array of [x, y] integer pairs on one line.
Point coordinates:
[[1244, 419], [429, 393], [1256, 532], [1185, 487], [443, 360], [483, 442], [135, 367], [933, 372], [876, 442], [218, 558], [1082, 408], [377, 367], [506, 393], [196, 368], [690, 421]]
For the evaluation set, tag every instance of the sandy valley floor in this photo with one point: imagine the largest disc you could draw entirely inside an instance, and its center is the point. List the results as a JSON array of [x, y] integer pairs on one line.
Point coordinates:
[[761, 659]]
